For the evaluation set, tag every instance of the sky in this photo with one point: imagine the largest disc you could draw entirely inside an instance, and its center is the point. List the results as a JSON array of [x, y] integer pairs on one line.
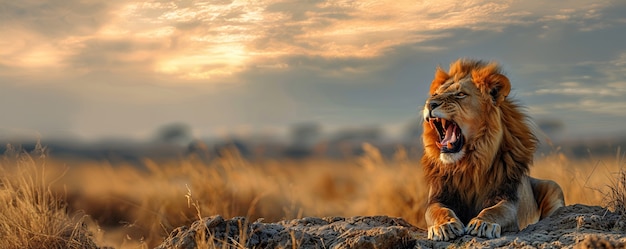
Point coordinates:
[[108, 68]]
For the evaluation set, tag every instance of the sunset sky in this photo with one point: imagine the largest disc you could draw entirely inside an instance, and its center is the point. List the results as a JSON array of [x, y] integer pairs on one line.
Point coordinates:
[[108, 68]]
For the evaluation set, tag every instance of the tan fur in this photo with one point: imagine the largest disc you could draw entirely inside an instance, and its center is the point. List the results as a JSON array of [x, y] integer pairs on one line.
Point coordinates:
[[487, 191]]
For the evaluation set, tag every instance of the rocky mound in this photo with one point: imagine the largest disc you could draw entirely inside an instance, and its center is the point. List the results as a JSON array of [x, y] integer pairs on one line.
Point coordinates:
[[576, 226]]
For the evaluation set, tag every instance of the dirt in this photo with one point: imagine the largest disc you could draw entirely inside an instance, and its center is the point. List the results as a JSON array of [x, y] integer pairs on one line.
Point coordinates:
[[576, 226]]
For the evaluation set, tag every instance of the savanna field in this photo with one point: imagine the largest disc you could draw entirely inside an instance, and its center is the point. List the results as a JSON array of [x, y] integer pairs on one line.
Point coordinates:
[[52, 203]]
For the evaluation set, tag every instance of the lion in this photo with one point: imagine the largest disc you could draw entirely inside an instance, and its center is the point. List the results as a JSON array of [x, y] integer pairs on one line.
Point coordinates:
[[478, 146]]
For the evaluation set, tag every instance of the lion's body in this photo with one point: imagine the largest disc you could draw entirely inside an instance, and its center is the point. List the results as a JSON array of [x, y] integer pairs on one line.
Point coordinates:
[[477, 151]]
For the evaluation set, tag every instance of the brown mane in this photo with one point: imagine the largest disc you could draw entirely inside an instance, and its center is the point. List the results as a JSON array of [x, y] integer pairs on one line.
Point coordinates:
[[490, 165]]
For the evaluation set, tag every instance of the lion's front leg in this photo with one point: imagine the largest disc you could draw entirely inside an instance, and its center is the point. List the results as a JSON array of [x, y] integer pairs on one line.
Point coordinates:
[[443, 224], [492, 220]]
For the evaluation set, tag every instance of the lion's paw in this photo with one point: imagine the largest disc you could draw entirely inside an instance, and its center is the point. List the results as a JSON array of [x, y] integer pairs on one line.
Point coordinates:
[[446, 231], [481, 228]]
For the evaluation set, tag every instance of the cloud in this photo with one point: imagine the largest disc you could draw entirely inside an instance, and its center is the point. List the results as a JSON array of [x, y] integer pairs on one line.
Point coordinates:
[[580, 92], [615, 89], [56, 19], [40, 35], [217, 41], [613, 107], [114, 55]]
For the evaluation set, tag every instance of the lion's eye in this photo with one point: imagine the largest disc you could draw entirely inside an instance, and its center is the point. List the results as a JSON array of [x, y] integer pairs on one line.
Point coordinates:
[[461, 95]]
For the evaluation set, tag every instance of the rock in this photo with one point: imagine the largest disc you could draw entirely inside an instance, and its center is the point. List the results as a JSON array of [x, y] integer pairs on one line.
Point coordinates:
[[595, 241], [310, 232], [576, 226]]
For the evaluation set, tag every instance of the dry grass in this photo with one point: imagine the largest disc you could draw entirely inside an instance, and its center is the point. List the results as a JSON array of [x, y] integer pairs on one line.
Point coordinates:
[[136, 208], [584, 181], [139, 208], [31, 215], [615, 197]]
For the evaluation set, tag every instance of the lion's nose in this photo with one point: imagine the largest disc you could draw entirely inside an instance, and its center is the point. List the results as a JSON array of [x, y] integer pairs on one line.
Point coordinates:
[[433, 104]]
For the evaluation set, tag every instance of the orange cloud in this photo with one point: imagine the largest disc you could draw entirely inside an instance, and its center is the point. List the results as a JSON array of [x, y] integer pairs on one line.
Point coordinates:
[[217, 40]]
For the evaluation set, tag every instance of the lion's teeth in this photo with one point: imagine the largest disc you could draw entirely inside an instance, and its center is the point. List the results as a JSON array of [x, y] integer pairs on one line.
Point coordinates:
[[443, 123]]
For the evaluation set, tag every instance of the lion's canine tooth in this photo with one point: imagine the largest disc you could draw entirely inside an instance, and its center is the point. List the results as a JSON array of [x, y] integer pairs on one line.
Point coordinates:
[[443, 123]]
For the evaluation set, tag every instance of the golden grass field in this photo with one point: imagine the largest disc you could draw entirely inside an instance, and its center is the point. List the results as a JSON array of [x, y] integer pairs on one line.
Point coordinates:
[[45, 201]]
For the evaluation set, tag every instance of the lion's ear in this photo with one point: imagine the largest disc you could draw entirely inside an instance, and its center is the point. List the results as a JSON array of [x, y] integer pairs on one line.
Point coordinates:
[[440, 77], [499, 87], [490, 81]]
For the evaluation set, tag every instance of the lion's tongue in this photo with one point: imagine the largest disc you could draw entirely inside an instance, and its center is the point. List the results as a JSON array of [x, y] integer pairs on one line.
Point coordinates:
[[450, 137]]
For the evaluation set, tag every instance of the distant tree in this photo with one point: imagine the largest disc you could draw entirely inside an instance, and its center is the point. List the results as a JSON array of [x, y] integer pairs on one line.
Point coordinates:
[[550, 126], [305, 134], [232, 146], [174, 133], [303, 137], [363, 134]]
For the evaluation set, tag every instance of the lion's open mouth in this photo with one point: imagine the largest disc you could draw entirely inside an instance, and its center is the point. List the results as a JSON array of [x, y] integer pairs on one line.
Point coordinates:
[[450, 136]]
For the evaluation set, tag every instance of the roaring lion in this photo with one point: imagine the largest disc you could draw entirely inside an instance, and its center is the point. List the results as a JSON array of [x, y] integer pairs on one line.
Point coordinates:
[[477, 149]]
